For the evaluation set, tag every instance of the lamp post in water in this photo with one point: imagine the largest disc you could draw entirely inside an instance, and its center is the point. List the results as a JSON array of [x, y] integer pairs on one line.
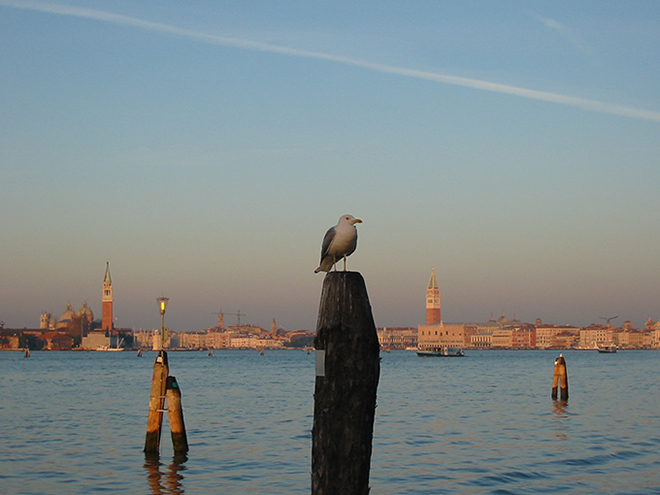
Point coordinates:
[[158, 389], [162, 301]]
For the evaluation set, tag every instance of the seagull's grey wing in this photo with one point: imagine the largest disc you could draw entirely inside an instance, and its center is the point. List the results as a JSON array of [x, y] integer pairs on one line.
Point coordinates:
[[327, 240], [354, 246]]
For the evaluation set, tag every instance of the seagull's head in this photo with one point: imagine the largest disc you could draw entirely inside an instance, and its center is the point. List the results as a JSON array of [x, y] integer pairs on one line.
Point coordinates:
[[349, 220]]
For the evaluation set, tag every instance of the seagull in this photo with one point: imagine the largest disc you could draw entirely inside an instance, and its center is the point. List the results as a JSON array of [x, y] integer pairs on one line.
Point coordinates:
[[339, 242]]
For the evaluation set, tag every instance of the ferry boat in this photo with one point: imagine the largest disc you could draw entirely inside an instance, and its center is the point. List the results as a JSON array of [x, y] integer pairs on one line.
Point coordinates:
[[607, 349], [441, 352]]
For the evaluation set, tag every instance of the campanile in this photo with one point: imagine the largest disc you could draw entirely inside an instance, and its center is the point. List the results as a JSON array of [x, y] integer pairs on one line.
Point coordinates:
[[106, 321], [433, 301]]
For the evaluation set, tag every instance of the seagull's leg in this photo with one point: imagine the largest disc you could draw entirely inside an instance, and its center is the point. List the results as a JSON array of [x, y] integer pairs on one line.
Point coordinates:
[[344, 262]]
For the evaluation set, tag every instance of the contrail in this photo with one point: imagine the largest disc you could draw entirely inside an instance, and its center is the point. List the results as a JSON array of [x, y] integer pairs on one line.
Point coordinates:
[[564, 31], [586, 104]]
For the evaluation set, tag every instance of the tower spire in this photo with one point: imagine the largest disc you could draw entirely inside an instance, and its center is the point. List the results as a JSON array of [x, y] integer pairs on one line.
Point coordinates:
[[433, 282], [107, 278]]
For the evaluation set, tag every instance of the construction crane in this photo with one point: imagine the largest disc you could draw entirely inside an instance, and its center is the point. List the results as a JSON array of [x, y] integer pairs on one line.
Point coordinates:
[[608, 319], [238, 314]]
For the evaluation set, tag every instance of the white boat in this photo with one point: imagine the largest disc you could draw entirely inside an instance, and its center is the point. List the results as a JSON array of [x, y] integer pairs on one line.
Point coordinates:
[[607, 349], [110, 348], [441, 352]]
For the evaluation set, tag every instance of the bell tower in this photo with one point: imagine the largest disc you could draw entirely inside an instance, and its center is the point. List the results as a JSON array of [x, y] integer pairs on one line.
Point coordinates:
[[433, 301], [106, 321]]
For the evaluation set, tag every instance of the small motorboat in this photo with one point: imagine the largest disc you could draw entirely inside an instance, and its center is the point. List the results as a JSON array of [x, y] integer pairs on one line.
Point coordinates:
[[607, 349]]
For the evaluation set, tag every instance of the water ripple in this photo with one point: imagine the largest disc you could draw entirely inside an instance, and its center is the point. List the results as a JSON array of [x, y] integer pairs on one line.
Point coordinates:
[[75, 423]]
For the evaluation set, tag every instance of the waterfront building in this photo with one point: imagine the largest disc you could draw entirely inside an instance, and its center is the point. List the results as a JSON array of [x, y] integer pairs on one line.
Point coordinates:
[[556, 336], [595, 335], [255, 342], [95, 340], [397, 338], [143, 339], [523, 337], [482, 340], [649, 339], [628, 338], [157, 342], [567, 339], [217, 340], [490, 326], [502, 338], [446, 334], [249, 329], [193, 340], [47, 321], [57, 341], [433, 305]]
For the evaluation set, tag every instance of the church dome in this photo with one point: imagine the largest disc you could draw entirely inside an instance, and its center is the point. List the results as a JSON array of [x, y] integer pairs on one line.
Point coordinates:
[[68, 314], [86, 312]]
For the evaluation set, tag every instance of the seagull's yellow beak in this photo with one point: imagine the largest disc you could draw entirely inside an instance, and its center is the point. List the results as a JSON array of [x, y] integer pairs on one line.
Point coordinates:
[[356, 220]]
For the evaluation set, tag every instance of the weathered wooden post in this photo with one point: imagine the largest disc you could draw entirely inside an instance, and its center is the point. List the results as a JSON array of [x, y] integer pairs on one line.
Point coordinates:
[[175, 413], [156, 403], [560, 379], [347, 372]]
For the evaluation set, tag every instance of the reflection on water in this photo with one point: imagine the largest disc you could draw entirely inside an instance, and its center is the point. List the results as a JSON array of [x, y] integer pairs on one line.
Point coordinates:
[[165, 481], [560, 408]]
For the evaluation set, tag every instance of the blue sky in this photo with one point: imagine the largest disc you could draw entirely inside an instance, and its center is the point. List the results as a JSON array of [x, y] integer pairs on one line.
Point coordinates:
[[204, 148]]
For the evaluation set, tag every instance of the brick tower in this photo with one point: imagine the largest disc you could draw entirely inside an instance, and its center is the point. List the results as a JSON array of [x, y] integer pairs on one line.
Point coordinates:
[[106, 321], [433, 301]]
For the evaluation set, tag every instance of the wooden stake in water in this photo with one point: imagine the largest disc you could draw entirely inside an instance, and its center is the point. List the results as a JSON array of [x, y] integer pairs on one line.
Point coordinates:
[[175, 413], [560, 379], [347, 372], [156, 403]]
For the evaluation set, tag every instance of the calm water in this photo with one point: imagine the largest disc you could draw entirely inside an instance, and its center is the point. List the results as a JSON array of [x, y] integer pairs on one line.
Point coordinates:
[[74, 423]]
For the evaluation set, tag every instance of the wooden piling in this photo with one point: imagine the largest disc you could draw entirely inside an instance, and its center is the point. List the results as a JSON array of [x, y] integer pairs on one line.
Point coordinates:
[[175, 413], [156, 403], [560, 379], [348, 369]]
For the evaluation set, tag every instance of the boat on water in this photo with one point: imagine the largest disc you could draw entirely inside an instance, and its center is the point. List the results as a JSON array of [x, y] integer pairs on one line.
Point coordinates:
[[109, 348], [607, 349], [441, 352]]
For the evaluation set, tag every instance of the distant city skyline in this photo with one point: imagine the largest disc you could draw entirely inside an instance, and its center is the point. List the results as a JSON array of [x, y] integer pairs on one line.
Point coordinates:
[[432, 316], [204, 150]]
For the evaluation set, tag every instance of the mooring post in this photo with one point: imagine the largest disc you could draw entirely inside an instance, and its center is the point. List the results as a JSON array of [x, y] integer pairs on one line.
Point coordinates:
[[560, 379], [156, 403], [347, 372], [175, 413]]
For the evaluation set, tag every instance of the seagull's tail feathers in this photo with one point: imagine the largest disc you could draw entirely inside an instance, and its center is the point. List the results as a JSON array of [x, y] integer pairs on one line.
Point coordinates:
[[326, 264]]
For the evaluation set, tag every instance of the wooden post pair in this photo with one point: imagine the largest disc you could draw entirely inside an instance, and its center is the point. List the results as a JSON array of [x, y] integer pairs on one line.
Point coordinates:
[[560, 379], [165, 387]]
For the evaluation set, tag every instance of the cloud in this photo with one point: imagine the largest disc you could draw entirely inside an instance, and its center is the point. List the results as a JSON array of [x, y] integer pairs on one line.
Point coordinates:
[[565, 32], [586, 104]]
